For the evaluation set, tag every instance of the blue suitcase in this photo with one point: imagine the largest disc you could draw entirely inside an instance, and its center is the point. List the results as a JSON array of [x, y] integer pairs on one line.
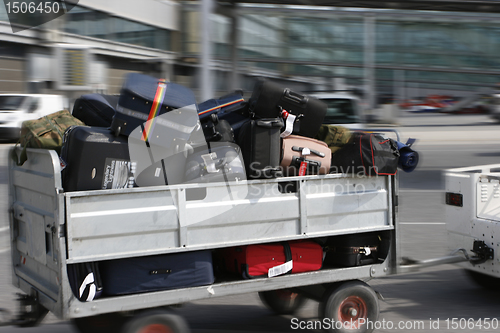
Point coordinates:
[[95, 109], [221, 104], [231, 108], [144, 98], [85, 281], [155, 273]]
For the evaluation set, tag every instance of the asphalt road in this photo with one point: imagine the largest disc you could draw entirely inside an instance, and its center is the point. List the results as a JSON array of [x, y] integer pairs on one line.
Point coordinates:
[[423, 302]]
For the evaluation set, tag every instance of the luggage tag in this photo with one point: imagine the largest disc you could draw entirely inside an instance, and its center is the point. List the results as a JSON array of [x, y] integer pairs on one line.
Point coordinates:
[[62, 163], [291, 122], [303, 168]]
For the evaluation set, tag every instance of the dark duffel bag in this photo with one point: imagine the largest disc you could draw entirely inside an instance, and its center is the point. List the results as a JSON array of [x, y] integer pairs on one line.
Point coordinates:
[[269, 99], [95, 109], [143, 98], [367, 154], [260, 144], [85, 281], [268, 260], [354, 250], [154, 273]]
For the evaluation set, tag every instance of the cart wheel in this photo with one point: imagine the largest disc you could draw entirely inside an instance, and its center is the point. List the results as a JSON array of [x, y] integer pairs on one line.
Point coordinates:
[[31, 312], [485, 281], [349, 306], [282, 301], [105, 323], [156, 321]]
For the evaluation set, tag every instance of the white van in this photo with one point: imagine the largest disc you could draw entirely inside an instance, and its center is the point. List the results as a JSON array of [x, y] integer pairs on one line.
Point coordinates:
[[16, 108], [343, 108]]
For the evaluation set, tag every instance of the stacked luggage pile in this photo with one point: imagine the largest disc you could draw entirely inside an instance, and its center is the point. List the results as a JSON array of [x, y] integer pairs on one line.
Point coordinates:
[[154, 133]]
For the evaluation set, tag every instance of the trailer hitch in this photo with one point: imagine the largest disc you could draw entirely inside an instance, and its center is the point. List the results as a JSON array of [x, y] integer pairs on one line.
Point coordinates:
[[480, 249], [482, 252]]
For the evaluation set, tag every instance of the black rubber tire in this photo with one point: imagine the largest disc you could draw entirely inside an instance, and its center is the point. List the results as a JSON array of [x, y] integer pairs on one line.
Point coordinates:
[[485, 281], [106, 323], [156, 321], [345, 296], [282, 301]]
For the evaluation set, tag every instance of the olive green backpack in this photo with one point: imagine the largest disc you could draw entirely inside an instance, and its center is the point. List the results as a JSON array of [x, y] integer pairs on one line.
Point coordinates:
[[46, 132], [334, 136]]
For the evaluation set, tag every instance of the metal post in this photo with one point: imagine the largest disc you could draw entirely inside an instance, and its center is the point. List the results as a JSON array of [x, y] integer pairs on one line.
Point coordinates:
[[206, 52], [234, 80], [369, 60]]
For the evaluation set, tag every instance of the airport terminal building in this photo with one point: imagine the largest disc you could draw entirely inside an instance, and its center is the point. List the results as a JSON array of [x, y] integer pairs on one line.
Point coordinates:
[[397, 52]]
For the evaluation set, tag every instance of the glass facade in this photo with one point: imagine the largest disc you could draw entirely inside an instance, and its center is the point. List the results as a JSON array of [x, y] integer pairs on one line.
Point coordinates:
[[96, 24], [91, 23], [424, 49]]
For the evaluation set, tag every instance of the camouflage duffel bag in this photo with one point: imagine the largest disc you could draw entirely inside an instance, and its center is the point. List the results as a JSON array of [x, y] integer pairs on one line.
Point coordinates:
[[46, 132]]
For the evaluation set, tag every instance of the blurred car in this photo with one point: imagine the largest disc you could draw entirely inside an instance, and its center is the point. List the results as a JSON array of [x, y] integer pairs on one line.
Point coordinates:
[[343, 108], [16, 108]]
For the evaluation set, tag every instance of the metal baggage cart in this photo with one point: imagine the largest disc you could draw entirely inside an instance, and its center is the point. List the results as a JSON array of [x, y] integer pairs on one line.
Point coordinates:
[[51, 229]]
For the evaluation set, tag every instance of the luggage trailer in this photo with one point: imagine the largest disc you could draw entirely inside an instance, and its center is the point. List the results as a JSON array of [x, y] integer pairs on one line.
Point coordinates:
[[51, 229]]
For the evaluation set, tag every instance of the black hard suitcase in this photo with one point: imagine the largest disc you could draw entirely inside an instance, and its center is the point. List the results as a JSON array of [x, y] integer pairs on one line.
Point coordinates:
[[95, 109], [222, 162], [353, 250], [154, 273], [144, 98], [269, 99], [95, 159], [85, 281], [260, 144]]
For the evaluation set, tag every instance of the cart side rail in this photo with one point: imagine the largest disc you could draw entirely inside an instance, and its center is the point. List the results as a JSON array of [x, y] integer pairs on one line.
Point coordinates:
[[163, 220]]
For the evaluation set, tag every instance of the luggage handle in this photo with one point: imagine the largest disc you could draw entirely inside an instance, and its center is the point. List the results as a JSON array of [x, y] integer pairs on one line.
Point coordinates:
[[315, 152], [295, 97], [311, 164], [269, 123]]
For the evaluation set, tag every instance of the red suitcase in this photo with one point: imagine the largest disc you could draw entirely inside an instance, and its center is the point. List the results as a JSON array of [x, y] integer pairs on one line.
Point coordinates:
[[268, 260]]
